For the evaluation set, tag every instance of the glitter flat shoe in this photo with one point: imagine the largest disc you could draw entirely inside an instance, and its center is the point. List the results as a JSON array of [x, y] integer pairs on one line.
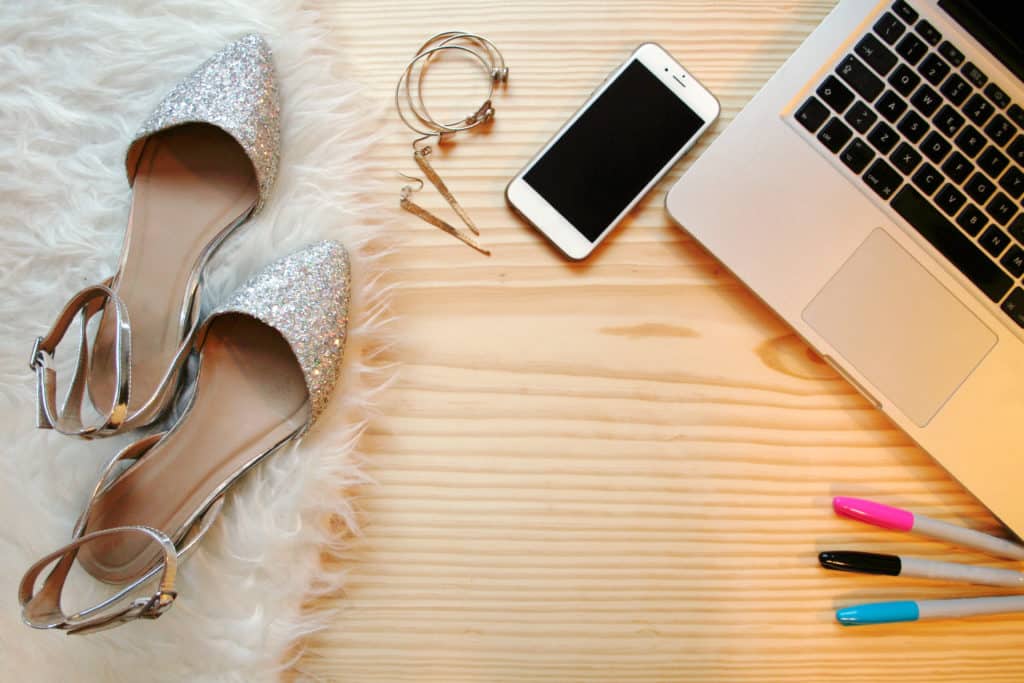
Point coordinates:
[[268, 362], [201, 165]]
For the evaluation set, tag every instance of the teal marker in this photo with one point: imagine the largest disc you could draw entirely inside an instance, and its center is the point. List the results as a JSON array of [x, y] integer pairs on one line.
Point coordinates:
[[914, 610]]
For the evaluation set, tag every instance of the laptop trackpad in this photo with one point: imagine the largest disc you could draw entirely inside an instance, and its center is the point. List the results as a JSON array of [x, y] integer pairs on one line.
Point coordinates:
[[902, 330]]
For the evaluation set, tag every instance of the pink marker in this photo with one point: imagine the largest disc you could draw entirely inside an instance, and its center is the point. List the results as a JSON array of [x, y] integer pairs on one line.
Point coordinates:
[[903, 520]]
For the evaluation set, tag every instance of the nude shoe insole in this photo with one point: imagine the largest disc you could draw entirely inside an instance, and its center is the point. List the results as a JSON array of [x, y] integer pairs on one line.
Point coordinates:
[[250, 396], [192, 182]]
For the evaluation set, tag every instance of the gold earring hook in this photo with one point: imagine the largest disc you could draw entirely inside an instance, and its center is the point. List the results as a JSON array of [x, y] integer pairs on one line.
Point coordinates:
[[407, 190]]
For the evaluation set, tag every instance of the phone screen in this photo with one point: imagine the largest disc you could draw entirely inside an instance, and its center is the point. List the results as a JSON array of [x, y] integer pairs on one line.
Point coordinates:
[[613, 150]]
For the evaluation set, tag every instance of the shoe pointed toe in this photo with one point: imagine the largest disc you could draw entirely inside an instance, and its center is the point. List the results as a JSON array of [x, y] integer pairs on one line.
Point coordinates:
[[235, 90], [305, 297]]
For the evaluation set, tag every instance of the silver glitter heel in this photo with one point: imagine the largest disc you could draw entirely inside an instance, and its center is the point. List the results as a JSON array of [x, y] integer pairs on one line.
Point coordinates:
[[201, 165], [268, 362]]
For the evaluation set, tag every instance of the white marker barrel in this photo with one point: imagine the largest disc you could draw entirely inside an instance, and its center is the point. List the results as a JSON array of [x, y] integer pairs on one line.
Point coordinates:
[[966, 607], [968, 537], [953, 571]]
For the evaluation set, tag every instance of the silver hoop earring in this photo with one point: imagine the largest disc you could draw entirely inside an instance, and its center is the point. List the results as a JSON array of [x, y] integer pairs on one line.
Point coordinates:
[[421, 121]]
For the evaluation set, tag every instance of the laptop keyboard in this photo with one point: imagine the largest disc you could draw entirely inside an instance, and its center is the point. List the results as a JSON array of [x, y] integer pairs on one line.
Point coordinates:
[[930, 134]]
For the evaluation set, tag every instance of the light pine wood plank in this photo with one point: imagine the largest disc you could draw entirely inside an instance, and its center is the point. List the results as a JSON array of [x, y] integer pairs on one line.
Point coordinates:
[[618, 470]]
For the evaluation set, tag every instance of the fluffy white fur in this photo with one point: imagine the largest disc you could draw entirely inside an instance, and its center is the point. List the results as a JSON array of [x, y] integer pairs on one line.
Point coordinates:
[[76, 79]]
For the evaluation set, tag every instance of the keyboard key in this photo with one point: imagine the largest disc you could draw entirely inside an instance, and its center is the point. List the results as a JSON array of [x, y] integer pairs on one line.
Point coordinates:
[[882, 178], [860, 78], [1013, 182], [926, 100], [957, 247], [1001, 208], [978, 109], [913, 126], [860, 117], [928, 32], [1000, 130], [905, 158], [911, 48], [812, 114], [1017, 228], [928, 179], [1014, 306], [889, 28], [950, 199], [1016, 114], [933, 69], [857, 155], [883, 137], [905, 11], [974, 74], [994, 241], [1014, 261], [835, 94], [980, 188], [1016, 150], [970, 141], [972, 220], [935, 147], [891, 106], [996, 94], [950, 52], [877, 56], [957, 167], [992, 161], [948, 120], [904, 80], [834, 135], [956, 89]]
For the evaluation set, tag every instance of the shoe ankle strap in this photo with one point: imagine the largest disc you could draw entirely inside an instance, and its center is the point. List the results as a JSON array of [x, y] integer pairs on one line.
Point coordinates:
[[43, 610], [67, 419]]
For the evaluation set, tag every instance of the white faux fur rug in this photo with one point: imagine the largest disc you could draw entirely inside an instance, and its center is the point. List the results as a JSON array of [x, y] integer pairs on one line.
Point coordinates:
[[76, 79]]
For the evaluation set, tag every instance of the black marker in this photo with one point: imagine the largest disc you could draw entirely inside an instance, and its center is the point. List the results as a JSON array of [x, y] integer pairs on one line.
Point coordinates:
[[894, 565]]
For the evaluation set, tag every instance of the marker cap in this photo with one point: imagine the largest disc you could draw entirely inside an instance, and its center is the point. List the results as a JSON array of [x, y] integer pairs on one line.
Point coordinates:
[[878, 613], [873, 513]]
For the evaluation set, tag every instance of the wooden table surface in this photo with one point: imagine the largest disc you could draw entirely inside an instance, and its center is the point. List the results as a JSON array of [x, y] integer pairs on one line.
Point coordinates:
[[618, 470]]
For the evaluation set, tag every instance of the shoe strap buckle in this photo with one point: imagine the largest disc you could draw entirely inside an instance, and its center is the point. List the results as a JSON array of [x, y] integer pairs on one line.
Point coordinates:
[[36, 359], [157, 605]]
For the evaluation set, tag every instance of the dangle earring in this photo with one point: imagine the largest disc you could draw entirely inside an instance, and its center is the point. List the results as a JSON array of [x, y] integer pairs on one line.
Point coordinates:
[[487, 55]]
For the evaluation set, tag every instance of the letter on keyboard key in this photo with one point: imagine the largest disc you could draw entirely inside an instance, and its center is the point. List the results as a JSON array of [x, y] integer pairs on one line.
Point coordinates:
[[860, 78], [883, 179], [904, 80], [926, 100], [883, 137], [1014, 261], [950, 199], [951, 243]]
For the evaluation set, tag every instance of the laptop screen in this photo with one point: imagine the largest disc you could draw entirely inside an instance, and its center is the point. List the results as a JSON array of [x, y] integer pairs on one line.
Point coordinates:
[[996, 24]]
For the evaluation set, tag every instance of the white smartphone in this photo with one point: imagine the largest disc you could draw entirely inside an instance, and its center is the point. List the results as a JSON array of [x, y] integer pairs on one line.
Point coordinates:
[[624, 138]]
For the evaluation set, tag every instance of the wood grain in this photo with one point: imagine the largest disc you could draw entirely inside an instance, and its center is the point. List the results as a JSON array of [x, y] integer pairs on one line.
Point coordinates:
[[617, 470]]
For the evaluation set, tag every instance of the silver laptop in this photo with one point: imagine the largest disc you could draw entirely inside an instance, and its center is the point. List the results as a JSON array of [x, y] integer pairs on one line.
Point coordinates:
[[872, 195]]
